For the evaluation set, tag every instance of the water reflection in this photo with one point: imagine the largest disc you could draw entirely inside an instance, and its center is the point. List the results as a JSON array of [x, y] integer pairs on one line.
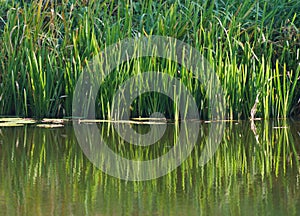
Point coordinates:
[[43, 171]]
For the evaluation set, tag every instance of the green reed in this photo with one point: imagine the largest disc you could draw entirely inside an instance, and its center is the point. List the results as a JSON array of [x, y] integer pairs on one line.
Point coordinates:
[[253, 46]]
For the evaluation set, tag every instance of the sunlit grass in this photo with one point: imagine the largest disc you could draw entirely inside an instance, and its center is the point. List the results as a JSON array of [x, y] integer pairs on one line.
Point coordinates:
[[254, 47]]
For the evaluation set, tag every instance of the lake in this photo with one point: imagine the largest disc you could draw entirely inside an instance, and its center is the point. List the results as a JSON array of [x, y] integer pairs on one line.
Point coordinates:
[[254, 171]]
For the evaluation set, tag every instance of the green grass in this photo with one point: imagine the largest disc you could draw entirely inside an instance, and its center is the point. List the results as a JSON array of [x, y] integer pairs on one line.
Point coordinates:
[[254, 46]]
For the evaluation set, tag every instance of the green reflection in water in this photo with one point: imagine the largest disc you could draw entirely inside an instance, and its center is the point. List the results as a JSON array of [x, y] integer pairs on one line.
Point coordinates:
[[255, 171]]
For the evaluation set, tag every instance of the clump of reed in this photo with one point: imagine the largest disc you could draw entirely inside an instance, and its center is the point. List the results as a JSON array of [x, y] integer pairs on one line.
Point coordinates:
[[254, 47]]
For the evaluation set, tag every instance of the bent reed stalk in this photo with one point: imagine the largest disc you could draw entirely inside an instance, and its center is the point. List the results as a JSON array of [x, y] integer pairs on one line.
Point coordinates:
[[254, 47]]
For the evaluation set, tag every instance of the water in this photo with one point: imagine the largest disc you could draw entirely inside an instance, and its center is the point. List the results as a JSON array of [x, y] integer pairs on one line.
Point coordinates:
[[255, 171]]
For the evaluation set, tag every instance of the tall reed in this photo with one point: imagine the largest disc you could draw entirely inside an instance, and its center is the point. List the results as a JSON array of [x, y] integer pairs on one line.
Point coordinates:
[[254, 47]]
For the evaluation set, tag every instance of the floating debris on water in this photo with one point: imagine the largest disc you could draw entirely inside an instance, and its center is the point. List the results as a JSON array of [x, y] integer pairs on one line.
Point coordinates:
[[50, 125]]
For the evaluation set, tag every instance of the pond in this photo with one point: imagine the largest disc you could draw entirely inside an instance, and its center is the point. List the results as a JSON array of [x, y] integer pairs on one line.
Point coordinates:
[[254, 171]]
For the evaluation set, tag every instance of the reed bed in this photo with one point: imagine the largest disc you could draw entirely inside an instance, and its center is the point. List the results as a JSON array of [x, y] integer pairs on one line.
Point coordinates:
[[253, 46]]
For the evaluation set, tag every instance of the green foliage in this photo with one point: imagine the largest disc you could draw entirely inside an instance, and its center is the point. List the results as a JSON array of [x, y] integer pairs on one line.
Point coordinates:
[[254, 46]]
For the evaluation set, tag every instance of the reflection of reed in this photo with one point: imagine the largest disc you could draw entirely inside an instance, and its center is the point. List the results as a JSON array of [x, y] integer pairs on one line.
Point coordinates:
[[252, 118], [253, 128], [43, 169]]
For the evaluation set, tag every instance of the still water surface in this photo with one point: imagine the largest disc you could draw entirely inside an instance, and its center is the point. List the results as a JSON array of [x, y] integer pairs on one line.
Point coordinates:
[[255, 171]]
